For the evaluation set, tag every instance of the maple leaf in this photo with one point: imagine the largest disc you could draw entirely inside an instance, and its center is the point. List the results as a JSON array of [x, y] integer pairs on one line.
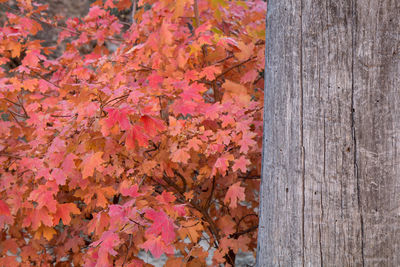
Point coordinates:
[[191, 229], [136, 134], [68, 164], [126, 189], [180, 156], [90, 163], [222, 164], [48, 232], [36, 217], [166, 197], [184, 107], [249, 76], [32, 58], [157, 246], [152, 125], [161, 225], [109, 4], [235, 193], [226, 224], [63, 212], [95, 12], [106, 244], [118, 115], [4, 210], [246, 51], [44, 198], [246, 142], [235, 91], [165, 35], [241, 164], [194, 144], [210, 72], [59, 176]]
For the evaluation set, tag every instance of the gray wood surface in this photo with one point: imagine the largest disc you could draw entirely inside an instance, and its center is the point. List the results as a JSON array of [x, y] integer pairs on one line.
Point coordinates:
[[330, 193]]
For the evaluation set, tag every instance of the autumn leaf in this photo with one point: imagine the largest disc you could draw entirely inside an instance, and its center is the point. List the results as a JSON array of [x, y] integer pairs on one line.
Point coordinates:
[[246, 51], [180, 155], [152, 125], [4, 209], [127, 189], [157, 247], [235, 193], [247, 142], [222, 163], [90, 163], [59, 176], [191, 229], [241, 164], [48, 232], [106, 244], [249, 76], [165, 35], [236, 92], [210, 72], [161, 225], [136, 136], [63, 212]]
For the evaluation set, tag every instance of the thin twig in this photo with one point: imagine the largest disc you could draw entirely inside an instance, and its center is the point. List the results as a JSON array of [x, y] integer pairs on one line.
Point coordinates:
[[12, 102], [16, 120], [234, 66], [211, 193], [23, 108]]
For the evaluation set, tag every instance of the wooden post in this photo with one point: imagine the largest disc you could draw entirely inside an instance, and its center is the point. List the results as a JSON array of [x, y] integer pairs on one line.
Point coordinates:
[[330, 193]]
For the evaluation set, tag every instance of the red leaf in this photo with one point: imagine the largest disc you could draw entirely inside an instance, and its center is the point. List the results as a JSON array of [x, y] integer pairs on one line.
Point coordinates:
[[166, 197], [235, 193], [210, 72], [59, 176], [241, 164], [106, 244], [161, 225], [95, 12], [180, 156], [249, 76], [91, 162], [118, 115], [63, 212], [136, 133], [157, 247], [4, 210], [222, 164], [126, 189], [152, 125], [247, 141]]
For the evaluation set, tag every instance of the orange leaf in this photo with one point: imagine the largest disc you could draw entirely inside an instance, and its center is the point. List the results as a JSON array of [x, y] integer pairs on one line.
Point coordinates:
[[48, 232], [157, 247], [180, 156], [165, 35], [4, 210], [241, 164], [64, 211], [91, 163], [235, 193], [246, 51]]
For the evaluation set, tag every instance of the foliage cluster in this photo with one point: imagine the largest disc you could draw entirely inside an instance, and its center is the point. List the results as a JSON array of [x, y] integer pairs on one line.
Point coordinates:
[[149, 140]]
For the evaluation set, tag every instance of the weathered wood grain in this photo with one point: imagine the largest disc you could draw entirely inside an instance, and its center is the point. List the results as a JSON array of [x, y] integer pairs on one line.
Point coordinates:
[[330, 191]]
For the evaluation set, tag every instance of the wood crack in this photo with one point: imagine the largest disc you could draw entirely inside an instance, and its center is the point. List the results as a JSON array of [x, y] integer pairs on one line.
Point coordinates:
[[302, 136], [354, 135]]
